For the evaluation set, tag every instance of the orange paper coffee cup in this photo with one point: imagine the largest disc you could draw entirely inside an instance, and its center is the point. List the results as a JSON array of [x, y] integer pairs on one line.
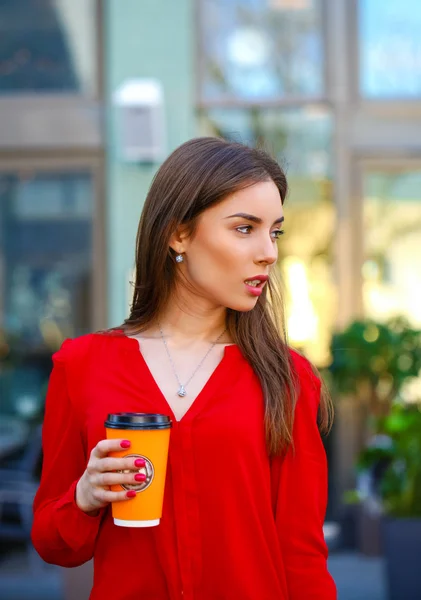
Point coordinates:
[[149, 435]]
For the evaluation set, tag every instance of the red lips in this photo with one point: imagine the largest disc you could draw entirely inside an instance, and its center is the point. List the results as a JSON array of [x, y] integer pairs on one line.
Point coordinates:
[[256, 290]]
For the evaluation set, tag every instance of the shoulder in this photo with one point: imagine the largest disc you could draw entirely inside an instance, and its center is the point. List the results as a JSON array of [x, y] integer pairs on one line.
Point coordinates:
[[73, 349], [308, 382], [79, 350], [304, 370]]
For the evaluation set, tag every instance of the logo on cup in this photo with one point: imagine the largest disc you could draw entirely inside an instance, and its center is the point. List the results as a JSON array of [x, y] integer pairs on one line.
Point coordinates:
[[147, 470]]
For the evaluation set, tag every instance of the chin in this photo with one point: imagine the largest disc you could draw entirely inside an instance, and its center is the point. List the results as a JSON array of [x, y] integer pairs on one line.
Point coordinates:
[[244, 305]]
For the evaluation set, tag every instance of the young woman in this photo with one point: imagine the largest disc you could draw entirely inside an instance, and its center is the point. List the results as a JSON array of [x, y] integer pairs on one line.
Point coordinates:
[[246, 487]]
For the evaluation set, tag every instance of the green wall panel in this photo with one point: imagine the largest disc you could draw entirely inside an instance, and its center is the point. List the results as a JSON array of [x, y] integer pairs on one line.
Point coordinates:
[[143, 39]]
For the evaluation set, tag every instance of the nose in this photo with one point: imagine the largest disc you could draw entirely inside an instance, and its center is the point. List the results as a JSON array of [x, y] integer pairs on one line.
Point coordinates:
[[267, 253]]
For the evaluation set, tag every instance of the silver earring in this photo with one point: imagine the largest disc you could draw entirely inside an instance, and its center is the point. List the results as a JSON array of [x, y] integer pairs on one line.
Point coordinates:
[[179, 258]]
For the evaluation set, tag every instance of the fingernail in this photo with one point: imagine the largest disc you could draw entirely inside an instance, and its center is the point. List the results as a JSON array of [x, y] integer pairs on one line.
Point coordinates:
[[125, 444], [140, 477], [131, 494], [139, 462]]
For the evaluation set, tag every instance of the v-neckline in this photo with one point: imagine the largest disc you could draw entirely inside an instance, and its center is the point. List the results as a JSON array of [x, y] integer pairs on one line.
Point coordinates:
[[200, 396]]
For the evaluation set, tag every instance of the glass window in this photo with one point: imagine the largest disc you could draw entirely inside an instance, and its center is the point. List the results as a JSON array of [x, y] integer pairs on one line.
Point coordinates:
[[301, 140], [45, 279], [261, 49], [47, 46], [392, 233], [390, 48]]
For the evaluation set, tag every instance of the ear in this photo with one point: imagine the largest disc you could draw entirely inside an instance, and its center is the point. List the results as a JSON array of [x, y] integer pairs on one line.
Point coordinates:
[[178, 240]]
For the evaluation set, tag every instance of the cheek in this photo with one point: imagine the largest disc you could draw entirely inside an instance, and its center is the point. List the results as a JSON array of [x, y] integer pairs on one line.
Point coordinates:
[[216, 259]]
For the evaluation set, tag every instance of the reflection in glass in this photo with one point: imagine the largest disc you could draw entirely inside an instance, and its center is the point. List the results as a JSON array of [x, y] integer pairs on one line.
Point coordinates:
[[301, 140], [390, 48], [45, 278], [47, 46], [392, 258], [259, 49]]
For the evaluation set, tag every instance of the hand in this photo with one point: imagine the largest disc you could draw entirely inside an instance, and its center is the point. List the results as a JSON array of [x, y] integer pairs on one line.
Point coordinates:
[[93, 491]]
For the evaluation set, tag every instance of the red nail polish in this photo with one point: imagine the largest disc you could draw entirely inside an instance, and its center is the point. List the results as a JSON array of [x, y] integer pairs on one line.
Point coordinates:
[[139, 462], [140, 477], [125, 444], [131, 494]]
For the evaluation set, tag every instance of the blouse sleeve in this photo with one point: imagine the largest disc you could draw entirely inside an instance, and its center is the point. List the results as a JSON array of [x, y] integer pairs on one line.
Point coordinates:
[[300, 500], [61, 533]]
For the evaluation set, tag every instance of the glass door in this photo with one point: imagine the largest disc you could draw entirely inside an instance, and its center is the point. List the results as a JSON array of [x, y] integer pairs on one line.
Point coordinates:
[[51, 279], [391, 244]]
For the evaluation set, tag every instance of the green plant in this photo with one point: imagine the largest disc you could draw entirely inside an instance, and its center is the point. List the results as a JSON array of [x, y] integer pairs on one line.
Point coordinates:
[[374, 361], [399, 476]]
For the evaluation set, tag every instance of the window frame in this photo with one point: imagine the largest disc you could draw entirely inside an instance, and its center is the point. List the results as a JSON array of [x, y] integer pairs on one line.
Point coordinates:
[[398, 106], [19, 111], [296, 100], [362, 164], [48, 163]]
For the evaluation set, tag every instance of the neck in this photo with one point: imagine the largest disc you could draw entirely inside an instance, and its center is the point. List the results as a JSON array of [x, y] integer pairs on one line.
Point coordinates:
[[180, 324], [191, 317]]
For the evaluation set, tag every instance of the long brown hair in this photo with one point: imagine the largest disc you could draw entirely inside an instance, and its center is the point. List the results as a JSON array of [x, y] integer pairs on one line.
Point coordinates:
[[196, 176]]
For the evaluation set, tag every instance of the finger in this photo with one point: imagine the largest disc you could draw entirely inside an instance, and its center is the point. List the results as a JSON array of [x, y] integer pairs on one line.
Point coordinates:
[[106, 496], [105, 446], [108, 479], [110, 463]]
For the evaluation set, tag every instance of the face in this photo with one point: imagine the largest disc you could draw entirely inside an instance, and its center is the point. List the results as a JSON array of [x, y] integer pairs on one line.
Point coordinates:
[[229, 257]]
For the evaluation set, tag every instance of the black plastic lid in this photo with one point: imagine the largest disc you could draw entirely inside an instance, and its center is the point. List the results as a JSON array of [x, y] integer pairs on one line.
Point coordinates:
[[137, 421]]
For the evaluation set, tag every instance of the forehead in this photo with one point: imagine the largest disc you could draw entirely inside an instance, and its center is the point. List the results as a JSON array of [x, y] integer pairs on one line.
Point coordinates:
[[260, 199]]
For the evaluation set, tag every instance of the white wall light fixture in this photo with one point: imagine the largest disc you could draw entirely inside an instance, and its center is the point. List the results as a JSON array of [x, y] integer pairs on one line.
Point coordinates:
[[141, 120]]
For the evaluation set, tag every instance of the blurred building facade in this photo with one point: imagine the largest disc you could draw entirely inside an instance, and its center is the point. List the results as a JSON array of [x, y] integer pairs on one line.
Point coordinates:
[[330, 87]]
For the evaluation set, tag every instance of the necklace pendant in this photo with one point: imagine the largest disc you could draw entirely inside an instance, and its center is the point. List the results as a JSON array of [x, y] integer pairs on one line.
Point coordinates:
[[182, 392]]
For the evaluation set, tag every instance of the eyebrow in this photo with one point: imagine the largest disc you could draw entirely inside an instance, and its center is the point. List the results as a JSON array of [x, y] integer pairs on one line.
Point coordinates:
[[253, 218]]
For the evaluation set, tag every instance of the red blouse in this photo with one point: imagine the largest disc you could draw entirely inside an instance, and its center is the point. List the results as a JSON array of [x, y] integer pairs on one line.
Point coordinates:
[[235, 525]]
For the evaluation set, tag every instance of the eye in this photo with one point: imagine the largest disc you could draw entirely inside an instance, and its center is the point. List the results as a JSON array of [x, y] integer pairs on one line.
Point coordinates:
[[277, 233], [246, 229]]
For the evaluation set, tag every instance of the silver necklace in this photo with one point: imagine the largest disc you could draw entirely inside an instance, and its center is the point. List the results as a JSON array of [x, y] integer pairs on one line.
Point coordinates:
[[182, 388]]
